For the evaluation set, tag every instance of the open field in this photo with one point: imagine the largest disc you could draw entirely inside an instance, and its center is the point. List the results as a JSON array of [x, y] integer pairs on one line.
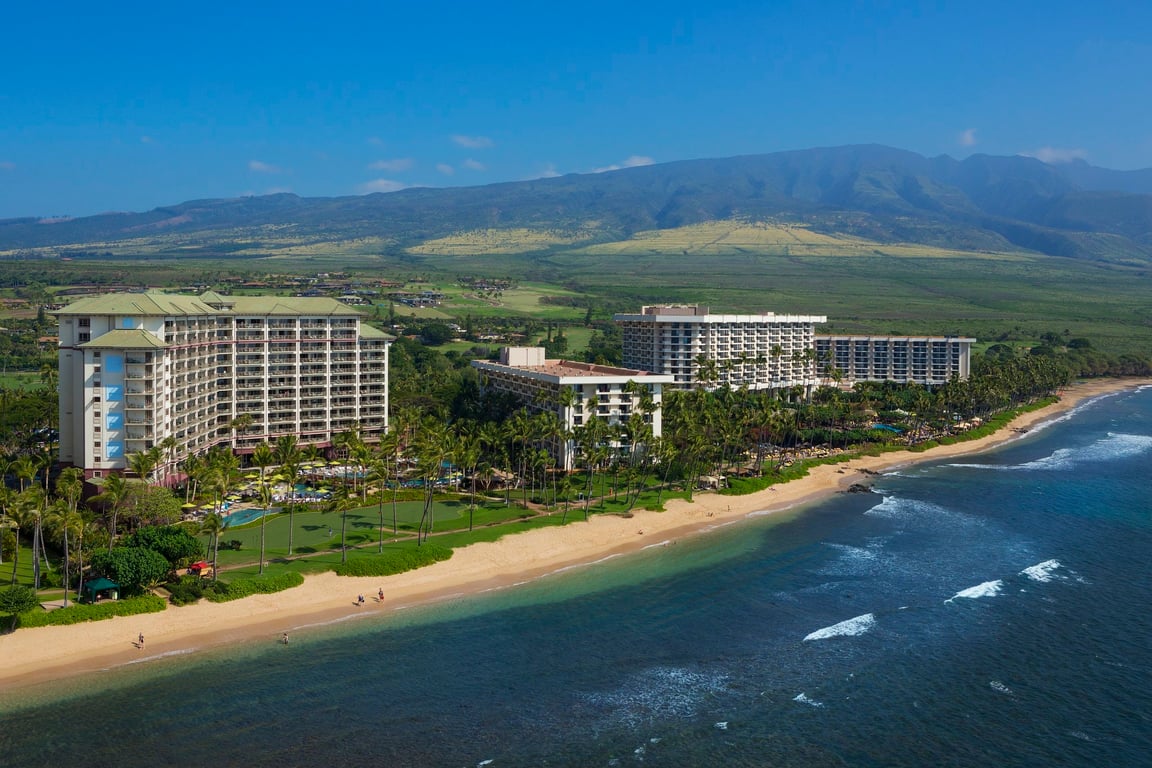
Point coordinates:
[[765, 237], [990, 296], [480, 242]]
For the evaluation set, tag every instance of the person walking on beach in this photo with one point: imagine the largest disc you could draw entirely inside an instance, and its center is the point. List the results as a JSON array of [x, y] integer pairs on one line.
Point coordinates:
[[360, 600], [140, 641], [380, 594]]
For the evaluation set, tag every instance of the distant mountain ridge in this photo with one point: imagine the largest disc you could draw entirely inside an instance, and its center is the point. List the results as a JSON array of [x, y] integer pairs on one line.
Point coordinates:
[[885, 194]]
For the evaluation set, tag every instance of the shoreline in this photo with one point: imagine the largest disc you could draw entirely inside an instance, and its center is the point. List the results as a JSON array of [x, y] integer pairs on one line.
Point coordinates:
[[42, 654]]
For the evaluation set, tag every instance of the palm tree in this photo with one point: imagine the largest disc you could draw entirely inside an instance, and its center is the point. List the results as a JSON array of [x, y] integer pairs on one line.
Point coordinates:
[[288, 455], [389, 449], [213, 524], [70, 486], [265, 492], [431, 450], [142, 463], [116, 490]]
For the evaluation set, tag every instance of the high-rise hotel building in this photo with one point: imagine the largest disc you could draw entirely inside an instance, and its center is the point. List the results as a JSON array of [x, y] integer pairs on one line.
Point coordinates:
[[927, 360], [765, 351], [138, 368]]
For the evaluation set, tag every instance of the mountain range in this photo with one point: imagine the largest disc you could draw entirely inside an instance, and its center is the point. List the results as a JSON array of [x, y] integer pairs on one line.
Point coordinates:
[[882, 194]]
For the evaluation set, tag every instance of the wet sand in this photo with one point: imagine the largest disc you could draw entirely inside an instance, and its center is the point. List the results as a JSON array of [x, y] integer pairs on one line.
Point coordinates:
[[46, 653]]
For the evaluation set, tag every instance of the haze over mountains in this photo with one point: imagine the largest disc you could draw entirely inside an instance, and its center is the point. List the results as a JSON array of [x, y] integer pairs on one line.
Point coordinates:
[[982, 203]]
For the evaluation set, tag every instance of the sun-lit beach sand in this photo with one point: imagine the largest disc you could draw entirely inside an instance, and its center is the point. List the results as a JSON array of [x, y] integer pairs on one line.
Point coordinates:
[[39, 654]]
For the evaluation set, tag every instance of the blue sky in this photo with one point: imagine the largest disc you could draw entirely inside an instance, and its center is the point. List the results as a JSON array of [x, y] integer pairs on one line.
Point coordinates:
[[129, 106]]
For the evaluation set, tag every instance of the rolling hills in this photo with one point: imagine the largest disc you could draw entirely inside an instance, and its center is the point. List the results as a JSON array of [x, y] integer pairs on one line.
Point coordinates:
[[826, 201]]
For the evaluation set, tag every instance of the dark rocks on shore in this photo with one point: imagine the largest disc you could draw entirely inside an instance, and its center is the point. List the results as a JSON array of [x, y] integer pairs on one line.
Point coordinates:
[[858, 488]]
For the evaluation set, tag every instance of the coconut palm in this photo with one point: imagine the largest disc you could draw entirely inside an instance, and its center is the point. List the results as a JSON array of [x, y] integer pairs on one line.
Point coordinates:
[[265, 492], [116, 491], [213, 524]]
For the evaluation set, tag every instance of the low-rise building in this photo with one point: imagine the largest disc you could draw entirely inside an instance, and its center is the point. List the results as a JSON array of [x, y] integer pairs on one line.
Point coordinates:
[[576, 391]]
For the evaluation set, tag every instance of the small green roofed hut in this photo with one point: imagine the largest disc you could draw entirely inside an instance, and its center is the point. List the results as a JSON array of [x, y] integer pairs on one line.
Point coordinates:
[[101, 587]]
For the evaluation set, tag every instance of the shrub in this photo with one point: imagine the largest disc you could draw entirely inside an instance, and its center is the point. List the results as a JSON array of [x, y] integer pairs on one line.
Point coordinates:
[[222, 592], [173, 542], [77, 614], [133, 568], [185, 590], [394, 561], [18, 599]]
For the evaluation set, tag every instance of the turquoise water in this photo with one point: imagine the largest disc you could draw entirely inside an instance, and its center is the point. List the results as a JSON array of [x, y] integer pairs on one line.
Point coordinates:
[[988, 611]]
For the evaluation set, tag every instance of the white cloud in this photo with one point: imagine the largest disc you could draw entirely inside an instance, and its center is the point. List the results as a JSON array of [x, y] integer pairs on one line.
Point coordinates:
[[473, 142], [968, 137], [1057, 154], [445, 169], [262, 167], [395, 164], [7, 165], [474, 165], [381, 185], [632, 162]]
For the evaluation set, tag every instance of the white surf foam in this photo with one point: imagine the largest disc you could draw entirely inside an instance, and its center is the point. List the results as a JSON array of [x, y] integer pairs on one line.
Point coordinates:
[[987, 589], [855, 626], [999, 687], [803, 699], [723, 725], [1041, 571]]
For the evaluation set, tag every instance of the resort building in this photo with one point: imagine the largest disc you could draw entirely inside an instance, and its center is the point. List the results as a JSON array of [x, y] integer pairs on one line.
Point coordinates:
[[765, 351], [928, 360], [576, 391], [139, 368]]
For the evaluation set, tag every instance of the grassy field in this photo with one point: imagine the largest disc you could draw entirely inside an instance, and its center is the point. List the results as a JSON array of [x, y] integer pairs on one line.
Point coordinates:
[[19, 380], [736, 236]]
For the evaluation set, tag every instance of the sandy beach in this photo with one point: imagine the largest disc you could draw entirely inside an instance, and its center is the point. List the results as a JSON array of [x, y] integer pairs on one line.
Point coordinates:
[[39, 654]]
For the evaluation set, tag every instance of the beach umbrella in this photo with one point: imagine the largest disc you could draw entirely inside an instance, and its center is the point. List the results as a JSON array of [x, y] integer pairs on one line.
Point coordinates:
[[189, 505]]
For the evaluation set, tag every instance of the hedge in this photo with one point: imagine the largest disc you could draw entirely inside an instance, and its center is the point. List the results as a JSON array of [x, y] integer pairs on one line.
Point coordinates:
[[223, 592], [79, 613], [394, 561]]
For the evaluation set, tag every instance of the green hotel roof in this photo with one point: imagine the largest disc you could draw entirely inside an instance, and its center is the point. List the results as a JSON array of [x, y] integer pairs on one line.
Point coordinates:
[[371, 332], [125, 338], [171, 304], [138, 304]]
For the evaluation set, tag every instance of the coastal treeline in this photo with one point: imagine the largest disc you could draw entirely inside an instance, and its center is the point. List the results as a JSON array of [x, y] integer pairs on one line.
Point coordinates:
[[131, 530]]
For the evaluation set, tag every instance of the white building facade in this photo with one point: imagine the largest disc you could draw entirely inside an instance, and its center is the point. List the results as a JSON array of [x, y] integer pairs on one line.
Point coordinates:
[[927, 360], [697, 348], [136, 369], [575, 391]]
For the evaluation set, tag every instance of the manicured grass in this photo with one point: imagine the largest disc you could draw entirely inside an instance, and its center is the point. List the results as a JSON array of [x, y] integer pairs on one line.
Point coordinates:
[[20, 380]]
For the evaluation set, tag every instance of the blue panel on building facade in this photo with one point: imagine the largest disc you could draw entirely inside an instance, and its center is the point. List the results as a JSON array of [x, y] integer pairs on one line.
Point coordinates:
[[115, 450], [114, 364], [114, 392], [114, 420]]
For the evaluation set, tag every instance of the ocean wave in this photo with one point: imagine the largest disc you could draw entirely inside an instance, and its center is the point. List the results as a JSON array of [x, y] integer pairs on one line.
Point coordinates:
[[999, 687], [987, 589], [803, 699], [1111, 448], [855, 626], [1041, 571]]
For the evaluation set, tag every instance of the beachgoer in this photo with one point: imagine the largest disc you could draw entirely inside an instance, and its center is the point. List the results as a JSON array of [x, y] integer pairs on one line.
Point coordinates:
[[380, 594], [140, 643], [361, 600], [284, 638]]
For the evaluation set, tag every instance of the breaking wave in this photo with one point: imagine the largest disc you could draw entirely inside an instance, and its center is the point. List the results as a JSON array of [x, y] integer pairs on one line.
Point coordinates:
[[987, 589], [856, 626]]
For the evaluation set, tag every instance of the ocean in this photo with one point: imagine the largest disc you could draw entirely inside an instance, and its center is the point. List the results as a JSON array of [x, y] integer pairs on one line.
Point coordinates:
[[994, 610]]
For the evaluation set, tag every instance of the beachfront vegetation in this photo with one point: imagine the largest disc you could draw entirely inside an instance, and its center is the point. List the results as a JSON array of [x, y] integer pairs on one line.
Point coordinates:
[[80, 613]]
